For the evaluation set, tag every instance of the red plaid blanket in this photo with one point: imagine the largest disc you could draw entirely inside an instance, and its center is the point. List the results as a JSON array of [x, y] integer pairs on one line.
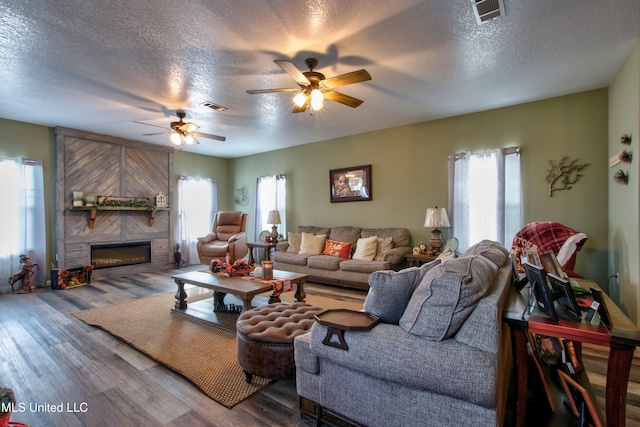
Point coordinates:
[[540, 236]]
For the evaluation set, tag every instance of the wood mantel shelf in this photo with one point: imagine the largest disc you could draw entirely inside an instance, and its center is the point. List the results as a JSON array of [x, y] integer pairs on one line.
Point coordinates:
[[94, 211]]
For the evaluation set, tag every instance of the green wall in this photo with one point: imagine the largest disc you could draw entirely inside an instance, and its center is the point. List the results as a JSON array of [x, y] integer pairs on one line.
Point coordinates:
[[409, 169], [624, 230]]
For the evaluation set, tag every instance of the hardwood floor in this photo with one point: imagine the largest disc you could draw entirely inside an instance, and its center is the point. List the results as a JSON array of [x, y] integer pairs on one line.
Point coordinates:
[[54, 362]]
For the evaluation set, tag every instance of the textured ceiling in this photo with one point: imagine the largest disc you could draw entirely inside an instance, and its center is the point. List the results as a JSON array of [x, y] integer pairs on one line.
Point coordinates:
[[100, 65]]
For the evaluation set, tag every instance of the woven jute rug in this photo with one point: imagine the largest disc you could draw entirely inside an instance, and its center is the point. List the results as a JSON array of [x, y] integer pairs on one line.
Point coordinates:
[[204, 354]]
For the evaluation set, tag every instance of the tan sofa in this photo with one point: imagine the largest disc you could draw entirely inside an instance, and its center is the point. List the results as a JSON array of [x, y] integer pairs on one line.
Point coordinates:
[[335, 270]]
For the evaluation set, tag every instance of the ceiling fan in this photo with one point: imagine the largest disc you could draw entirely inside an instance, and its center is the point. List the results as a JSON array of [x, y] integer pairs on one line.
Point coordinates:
[[183, 133], [315, 87]]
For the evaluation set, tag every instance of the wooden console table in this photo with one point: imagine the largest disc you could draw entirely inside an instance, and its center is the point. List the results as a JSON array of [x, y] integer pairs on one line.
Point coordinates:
[[622, 339]]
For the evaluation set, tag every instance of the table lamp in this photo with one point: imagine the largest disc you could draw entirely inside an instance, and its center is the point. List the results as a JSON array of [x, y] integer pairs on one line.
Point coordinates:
[[274, 218], [436, 217]]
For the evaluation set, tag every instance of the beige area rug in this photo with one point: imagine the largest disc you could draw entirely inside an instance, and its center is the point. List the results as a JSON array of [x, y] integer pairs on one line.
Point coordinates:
[[204, 354]]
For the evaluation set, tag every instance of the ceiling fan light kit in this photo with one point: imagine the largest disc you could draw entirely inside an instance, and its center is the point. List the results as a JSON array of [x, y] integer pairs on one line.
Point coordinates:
[[314, 87]]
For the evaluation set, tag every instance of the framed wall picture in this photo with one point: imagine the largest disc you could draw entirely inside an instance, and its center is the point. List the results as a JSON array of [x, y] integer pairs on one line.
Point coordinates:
[[350, 184]]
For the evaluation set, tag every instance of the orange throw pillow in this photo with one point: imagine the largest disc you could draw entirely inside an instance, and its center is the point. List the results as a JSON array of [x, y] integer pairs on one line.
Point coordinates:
[[341, 249]]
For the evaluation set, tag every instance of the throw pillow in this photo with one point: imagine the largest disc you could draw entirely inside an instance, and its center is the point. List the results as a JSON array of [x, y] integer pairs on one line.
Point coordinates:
[[341, 249], [446, 296], [383, 246], [312, 244], [295, 239], [366, 248], [390, 292]]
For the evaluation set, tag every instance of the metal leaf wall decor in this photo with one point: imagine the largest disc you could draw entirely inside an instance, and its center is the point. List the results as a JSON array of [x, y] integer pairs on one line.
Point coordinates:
[[563, 174]]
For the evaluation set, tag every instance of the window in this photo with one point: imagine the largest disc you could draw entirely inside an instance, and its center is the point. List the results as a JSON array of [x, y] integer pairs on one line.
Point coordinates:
[[22, 221], [485, 196], [271, 195], [197, 204]]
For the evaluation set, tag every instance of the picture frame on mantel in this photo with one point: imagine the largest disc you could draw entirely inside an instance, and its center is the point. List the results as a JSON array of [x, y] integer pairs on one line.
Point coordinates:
[[351, 184]]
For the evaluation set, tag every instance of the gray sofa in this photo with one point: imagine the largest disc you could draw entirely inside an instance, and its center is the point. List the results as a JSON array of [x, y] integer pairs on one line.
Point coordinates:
[[339, 271], [439, 357]]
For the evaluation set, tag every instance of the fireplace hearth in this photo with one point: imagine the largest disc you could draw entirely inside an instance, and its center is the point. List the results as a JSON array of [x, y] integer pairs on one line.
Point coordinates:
[[120, 254]]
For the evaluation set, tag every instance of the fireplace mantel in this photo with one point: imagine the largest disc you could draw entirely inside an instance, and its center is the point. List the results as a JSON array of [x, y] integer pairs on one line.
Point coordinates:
[[94, 212]]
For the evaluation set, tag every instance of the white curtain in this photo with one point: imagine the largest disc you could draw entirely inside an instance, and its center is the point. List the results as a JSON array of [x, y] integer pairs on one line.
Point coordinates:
[[271, 194], [197, 205], [22, 219], [485, 192]]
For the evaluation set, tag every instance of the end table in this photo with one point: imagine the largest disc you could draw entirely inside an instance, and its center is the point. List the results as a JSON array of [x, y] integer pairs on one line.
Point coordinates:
[[416, 260], [261, 245]]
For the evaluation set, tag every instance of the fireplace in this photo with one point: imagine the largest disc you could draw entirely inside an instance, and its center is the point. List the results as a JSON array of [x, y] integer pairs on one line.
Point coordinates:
[[120, 254]]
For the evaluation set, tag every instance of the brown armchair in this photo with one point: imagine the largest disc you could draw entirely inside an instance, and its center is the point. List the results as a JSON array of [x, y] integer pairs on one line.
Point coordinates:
[[229, 235]]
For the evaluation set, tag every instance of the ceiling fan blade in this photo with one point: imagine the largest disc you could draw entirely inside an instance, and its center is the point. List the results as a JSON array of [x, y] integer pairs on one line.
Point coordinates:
[[293, 71], [157, 133], [149, 124], [207, 135], [342, 98], [253, 92], [188, 127], [346, 79]]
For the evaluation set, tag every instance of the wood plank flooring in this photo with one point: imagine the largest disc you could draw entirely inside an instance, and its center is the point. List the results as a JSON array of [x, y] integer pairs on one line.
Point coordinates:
[[53, 362]]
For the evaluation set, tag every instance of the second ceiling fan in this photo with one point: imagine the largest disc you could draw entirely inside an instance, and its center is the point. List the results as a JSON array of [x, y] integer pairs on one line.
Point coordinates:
[[182, 133], [314, 87]]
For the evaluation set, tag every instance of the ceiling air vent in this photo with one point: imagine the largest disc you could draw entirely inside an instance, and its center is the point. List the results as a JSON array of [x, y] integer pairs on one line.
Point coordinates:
[[213, 106], [485, 10]]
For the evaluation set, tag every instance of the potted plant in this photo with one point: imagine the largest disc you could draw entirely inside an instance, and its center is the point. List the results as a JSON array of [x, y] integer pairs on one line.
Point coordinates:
[[7, 402]]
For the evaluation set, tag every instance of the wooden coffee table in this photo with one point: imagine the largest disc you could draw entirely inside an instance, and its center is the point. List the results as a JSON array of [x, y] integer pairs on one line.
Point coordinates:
[[244, 289]]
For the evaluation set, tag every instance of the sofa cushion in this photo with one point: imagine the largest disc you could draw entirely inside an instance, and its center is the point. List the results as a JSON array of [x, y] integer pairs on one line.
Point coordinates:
[[384, 244], [446, 296], [494, 251], [340, 249], [290, 258], [312, 244], [313, 230], [360, 266], [345, 234], [295, 239], [390, 291], [324, 262], [366, 248]]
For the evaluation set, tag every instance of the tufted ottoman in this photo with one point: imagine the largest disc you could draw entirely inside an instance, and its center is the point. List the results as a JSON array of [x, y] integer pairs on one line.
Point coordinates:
[[265, 338]]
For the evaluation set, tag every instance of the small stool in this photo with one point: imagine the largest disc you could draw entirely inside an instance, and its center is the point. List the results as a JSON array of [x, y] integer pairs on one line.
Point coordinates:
[[265, 338]]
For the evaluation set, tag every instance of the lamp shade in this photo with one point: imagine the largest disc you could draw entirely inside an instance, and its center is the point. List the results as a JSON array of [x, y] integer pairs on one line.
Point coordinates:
[[274, 217], [437, 217]]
